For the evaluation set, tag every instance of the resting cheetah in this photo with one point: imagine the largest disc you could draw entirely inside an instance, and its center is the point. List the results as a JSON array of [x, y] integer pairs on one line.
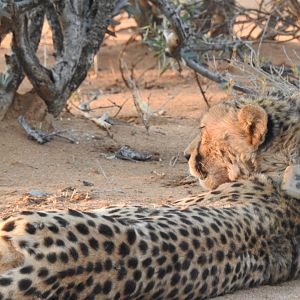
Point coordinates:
[[242, 234]]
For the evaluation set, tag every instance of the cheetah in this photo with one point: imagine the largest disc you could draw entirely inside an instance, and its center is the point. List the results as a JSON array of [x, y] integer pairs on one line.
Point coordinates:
[[243, 233], [245, 136]]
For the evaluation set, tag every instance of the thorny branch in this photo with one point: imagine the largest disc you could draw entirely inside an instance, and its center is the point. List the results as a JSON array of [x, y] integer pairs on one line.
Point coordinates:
[[186, 43]]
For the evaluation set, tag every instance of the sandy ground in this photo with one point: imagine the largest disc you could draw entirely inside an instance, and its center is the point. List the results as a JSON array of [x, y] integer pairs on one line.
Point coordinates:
[[59, 171]]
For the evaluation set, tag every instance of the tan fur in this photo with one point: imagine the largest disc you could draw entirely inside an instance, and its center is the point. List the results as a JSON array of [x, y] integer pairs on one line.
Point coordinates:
[[232, 132], [253, 120]]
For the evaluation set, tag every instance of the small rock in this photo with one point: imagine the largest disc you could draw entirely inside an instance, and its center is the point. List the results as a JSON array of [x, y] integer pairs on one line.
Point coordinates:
[[87, 183], [38, 194]]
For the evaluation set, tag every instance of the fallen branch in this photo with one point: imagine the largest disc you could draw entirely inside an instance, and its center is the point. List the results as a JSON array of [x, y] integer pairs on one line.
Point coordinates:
[[40, 136], [37, 135]]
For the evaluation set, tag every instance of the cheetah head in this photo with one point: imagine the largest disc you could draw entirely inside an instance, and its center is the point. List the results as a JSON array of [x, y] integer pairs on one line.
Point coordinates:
[[225, 149]]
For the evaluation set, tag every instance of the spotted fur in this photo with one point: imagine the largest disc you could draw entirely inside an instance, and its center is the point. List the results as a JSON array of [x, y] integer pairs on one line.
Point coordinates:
[[243, 234]]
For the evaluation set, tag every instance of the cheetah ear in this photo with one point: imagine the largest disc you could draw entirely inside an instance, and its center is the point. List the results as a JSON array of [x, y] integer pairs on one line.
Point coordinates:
[[253, 120]]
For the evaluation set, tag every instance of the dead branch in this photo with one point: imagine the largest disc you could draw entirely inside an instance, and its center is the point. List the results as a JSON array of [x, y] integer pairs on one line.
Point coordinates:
[[135, 94], [40, 136], [199, 68], [37, 135], [130, 82]]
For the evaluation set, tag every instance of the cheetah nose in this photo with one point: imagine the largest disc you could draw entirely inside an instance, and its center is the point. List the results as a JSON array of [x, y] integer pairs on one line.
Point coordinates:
[[187, 156]]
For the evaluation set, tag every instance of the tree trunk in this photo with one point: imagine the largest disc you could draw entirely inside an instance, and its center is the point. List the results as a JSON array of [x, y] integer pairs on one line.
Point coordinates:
[[10, 81], [83, 24], [78, 28]]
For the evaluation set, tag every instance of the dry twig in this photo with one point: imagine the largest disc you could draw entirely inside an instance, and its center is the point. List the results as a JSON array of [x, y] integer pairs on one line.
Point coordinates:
[[40, 136], [130, 82], [203, 93]]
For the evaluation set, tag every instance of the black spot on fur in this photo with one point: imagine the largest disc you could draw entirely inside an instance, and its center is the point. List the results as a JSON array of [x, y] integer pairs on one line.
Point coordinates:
[[43, 272], [92, 215], [75, 213], [147, 262], [60, 243], [63, 256], [26, 270], [52, 258], [30, 228], [39, 256], [84, 249], [184, 246], [227, 269], [74, 253], [108, 264], [149, 286], [122, 272], [48, 241], [124, 249], [137, 275], [98, 267], [194, 274], [131, 236], [9, 226], [130, 286], [51, 280], [93, 243], [220, 256], [5, 281], [42, 214], [97, 289], [82, 228], [105, 230], [175, 279], [72, 237], [202, 259], [109, 247], [107, 286], [53, 228], [62, 222], [24, 284], [26, 213], [132, 263]]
